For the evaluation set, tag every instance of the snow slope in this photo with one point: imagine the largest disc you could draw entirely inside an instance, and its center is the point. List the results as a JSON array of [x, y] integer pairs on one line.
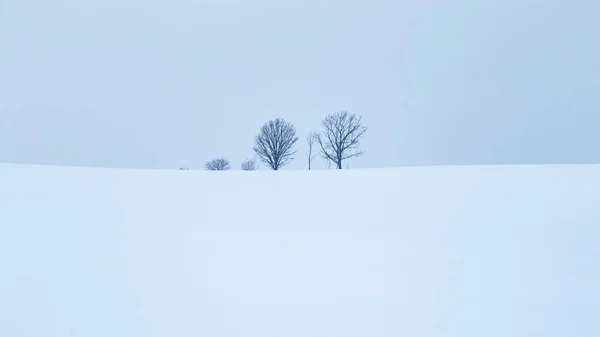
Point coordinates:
[[438, 251]]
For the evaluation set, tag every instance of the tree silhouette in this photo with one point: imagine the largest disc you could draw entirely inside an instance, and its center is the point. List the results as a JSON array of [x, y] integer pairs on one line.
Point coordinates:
[[310, 140], [249, 165], [341, 137], [219, 164], [274, 143]]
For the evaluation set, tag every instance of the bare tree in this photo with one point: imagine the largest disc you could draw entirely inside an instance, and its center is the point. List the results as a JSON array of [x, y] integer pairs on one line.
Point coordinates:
[[274, 144], [310, 140], [249, 165], [341, 137], [219, 164]]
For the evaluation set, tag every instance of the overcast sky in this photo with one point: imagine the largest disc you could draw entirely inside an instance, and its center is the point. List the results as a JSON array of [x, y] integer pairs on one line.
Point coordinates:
[[164, 84]]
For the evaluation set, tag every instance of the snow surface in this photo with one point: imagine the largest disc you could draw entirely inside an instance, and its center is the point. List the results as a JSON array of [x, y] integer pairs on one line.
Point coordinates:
[[436, 251]]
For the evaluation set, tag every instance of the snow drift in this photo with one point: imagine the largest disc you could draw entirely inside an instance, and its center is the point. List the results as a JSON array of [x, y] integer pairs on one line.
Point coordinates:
[[437, 251]]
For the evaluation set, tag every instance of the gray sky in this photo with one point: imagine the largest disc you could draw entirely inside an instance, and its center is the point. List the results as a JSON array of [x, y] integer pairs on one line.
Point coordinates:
[[164, 84]]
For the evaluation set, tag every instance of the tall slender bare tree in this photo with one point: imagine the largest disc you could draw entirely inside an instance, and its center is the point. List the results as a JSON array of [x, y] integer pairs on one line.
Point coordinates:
[[341, 136], [275, 142], [310, 140]]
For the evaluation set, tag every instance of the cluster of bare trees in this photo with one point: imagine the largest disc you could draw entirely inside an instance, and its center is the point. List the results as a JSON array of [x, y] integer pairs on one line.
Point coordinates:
[[338, 140], [223, 164]]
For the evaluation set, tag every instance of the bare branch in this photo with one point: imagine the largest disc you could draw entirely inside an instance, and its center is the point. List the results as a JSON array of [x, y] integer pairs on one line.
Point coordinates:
[[325, 148], [219, 164], [274, 144], [341, 136]]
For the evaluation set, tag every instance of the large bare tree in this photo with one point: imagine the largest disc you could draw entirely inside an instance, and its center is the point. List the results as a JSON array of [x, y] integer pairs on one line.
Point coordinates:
[[341, 136], [249, 165], [219, 164], [275, 142], [310, 140]]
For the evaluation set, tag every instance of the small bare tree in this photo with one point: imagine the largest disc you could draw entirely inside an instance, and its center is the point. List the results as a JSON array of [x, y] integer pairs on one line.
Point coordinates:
[[341, 137], [249, 165], [275, 142], [219, 164], [310, 140]]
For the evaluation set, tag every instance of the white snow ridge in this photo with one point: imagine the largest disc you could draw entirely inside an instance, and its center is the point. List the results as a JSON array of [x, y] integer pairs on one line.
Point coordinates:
[[477, 251]]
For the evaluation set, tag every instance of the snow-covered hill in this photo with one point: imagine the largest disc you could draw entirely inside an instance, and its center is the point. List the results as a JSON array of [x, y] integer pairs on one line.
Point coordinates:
[[437, 251]]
